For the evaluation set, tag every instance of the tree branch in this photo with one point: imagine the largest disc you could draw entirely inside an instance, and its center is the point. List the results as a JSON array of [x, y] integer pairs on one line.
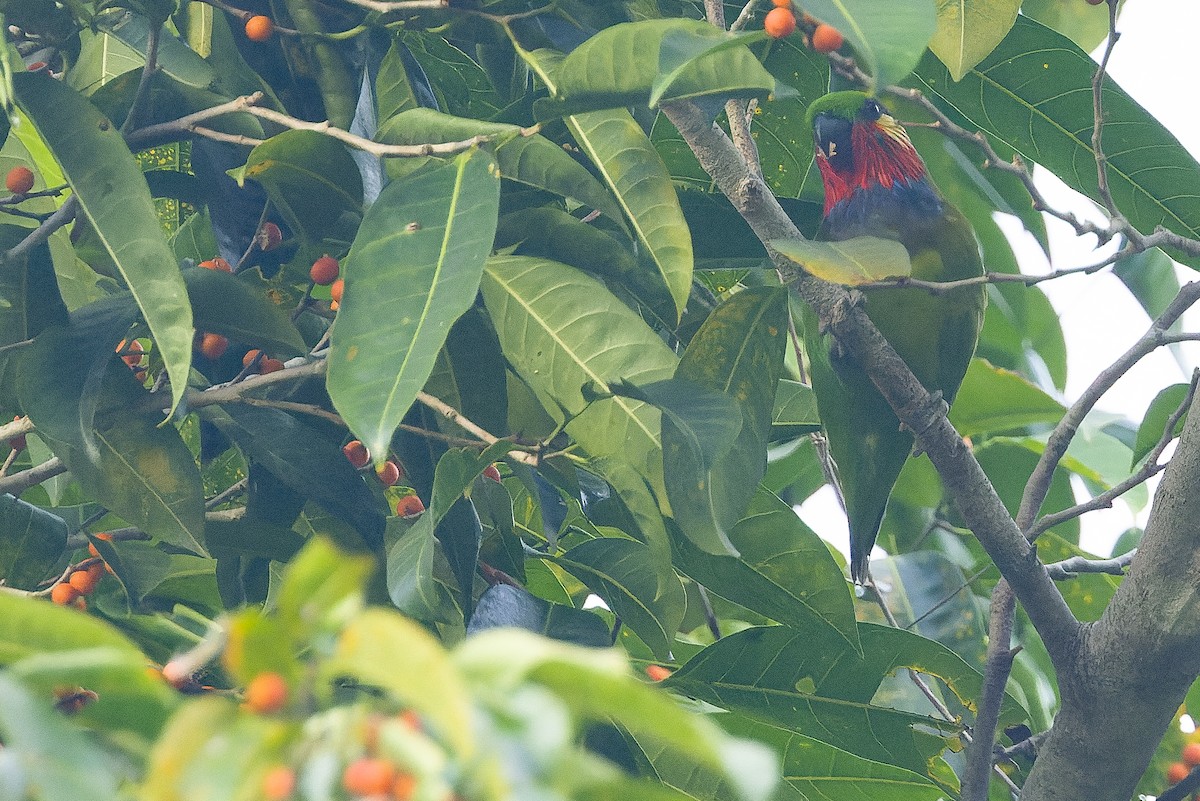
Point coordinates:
[[1000, 654]]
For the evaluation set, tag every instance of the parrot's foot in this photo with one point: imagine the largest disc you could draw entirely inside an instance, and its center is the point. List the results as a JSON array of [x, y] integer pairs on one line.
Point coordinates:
[[935, 407]]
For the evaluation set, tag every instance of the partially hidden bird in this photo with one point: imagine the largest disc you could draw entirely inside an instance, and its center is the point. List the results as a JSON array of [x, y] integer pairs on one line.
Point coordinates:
[[876, 185]]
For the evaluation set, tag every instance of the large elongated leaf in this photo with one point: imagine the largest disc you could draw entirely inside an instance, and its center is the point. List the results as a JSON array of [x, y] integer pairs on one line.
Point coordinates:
[[648, 598], [738, 351], [785, 571], [113, 196], [992, 400], [506, 606], [563, 330], [654, 61], [531, 160], [888, 38], [397, 312], [1034, 94], [174, 58], [637, 176]]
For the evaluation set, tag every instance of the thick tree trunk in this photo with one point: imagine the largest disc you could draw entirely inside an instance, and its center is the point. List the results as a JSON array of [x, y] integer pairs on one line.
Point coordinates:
[[1134, 665]]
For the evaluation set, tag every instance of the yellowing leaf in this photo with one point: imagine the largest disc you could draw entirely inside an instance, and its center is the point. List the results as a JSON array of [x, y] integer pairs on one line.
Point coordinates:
[[968, 30], [860, 260]]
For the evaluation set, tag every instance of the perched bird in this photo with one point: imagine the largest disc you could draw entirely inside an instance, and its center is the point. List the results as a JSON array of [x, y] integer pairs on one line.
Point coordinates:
[[876, 185]]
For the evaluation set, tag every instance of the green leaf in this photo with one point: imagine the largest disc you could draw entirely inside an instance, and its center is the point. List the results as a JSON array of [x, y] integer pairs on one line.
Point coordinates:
[[29, 295], [56, 757], [635, 173], [470, 375], [234, 307], [817, 770], [396, 313], [383, 649], [992, 400], [410, 580], [860, 260], [32, 541], [795, 407], [785, 572], [1034, 94], [532, 160], [175, 59], [393, 88], [1154, 421], [968, 30], [29, 627], [554, 234], [655, 61], [888, 38], [505, 606], [312, 180], [738, 351], [706, 421], [647, 598], [306, 461], [113, 196], [562, 330], [785, 144], [1079, 23]]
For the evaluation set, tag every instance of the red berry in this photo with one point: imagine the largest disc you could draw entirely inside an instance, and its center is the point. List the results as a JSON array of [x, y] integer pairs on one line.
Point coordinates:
[[405, 787], [368, 776], [1191, 754], [269, 236], [826, 39], [1176, 773], [132, 353], [259, 28], [779, 22], [491, 472], [356, 453], [409, 506], [389, 473], [335, 290], [270, 366], [19, 180], [63, 594], [279, 783], [217, 264], [250, 356], [268, 692], [324, 271], [657, 672], [84, 581], [213, 346], [17, 443]]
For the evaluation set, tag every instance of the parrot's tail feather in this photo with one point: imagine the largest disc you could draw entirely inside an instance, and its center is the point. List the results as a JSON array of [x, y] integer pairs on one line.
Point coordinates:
[[862, 541]]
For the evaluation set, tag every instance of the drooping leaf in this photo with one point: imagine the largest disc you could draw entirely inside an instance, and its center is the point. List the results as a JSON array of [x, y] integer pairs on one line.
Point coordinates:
[[1034, 94], [706, 421], [396, 313], [967, 30], [860, 260], [562, 330], [648, 598], [411, 584], [312, 180], [738, 352], [795, 407], [888, 39], [635, 173], [114, 198]]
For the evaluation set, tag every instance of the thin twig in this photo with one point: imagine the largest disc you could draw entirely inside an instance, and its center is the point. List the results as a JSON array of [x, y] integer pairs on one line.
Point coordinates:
[[143, 89], [399, 5], [1056, 446], [456, 417], [998, 665], [19, 482], [1150, 468], [1072, 567], [227, 493]]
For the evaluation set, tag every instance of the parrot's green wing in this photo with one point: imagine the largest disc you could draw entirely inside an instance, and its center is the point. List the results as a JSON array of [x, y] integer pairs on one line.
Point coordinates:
[[934, 334]]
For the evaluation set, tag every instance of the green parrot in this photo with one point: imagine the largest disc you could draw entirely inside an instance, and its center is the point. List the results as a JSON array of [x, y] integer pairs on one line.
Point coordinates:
[[876, 185]]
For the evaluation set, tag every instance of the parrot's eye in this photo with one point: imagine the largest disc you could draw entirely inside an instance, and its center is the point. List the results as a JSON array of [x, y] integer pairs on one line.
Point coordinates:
[[832, 135], [871, 110]]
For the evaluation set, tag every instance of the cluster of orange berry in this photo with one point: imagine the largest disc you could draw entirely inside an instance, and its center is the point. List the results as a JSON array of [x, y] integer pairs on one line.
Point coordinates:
[[389, 473], [369, 775], [81, 581], [780, 22]]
